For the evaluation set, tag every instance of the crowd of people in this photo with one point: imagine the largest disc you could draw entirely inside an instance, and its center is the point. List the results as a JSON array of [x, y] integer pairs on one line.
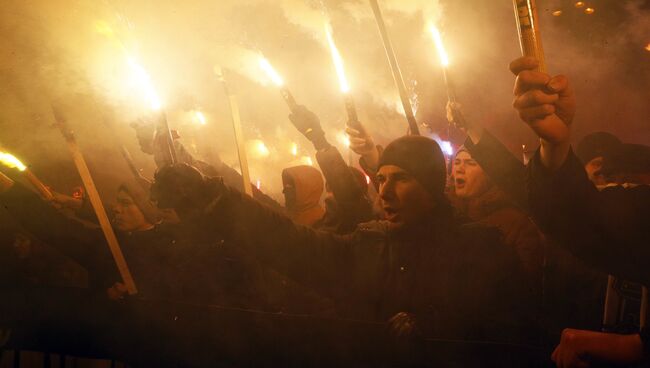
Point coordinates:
[[480, 261]]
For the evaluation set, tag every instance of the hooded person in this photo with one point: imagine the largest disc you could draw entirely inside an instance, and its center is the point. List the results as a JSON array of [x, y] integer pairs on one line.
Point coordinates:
[[302, 188], [417, 270], [346, 199]]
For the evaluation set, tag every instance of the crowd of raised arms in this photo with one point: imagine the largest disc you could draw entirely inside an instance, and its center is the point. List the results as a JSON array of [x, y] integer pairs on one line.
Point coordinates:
[[414, 260]]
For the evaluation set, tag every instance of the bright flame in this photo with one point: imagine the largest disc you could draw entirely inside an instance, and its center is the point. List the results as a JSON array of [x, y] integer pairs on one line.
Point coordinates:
[[11, 161], [262, 149], [144, 82], [308, 161], [273, 75], [437, 38], [446, 148], [579, 4], [557, 13], [294, 149], [200, 117], [338, 61], [343, 138], [139, 74], [367, 179], [590, 10], [647, 47], [258, 184]]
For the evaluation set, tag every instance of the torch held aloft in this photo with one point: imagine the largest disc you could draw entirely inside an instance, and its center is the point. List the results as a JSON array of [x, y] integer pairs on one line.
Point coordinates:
[[97, 204], [288, 98], [530, 38]]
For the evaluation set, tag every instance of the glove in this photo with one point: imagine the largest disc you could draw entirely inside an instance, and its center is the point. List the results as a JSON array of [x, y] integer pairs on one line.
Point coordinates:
[[308, 124]]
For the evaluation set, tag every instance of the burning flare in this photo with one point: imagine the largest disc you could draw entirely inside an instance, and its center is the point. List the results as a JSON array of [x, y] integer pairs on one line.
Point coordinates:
[[200, 117], [139, 74], [273, 75], [437, 39], [338, 61], [11, 161], [144, 83]]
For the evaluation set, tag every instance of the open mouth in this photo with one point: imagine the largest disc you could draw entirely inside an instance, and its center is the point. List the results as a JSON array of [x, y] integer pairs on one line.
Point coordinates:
[[460, 182]]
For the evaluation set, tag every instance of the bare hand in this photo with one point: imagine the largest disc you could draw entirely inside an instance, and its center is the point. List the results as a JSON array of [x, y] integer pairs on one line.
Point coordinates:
[[61, 201], [362, 144], [402, 325], [547, 104], [578, 348], [117, 291]]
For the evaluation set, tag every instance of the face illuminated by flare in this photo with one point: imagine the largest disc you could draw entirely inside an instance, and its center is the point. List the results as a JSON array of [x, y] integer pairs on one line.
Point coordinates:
[[469, 178], [127, 215], [404, 201]]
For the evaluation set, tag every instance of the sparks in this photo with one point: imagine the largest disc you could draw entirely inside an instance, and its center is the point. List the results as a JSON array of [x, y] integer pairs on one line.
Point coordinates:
[[338, 61], [272, 74], [11, 161], [437, 38]]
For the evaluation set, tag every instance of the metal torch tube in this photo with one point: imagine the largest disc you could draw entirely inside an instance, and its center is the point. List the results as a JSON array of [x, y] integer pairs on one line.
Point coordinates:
[[529, 36], [353, 118], [164, 126], [38, 184], [397, 74], [459, 118], [288, 98]]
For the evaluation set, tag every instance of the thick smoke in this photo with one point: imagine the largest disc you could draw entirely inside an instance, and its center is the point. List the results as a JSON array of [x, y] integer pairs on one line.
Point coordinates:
[[51, 52]]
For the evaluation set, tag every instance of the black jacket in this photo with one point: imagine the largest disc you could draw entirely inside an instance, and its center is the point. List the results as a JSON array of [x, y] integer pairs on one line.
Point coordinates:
[[609, 229], [460, 282]]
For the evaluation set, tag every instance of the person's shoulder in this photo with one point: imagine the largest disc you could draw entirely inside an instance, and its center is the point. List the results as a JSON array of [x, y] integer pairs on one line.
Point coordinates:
[[477, 237], [373, 228]]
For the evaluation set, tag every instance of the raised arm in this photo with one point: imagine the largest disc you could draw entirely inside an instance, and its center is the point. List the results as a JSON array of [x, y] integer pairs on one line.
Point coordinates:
[[85, 245], [318, 259], [353, 205]]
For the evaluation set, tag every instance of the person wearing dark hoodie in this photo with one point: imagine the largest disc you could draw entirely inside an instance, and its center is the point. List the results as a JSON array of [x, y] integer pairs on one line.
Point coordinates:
[[417, 270]]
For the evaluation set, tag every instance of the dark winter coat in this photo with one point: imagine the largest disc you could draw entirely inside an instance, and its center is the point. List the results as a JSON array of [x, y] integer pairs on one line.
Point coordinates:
[[609, 229], [350, 205], [460, 282], [493, 208], [165, 263]]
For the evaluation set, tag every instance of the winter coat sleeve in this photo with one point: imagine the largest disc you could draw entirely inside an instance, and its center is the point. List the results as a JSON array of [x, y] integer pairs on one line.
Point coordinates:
[[84, 245], [503, 168], [317, 259], [352, 203], [608, 229], [230, 176]]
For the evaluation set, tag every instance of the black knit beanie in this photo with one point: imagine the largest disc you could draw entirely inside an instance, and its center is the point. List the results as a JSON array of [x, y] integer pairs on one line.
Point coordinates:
[[421, 157]]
